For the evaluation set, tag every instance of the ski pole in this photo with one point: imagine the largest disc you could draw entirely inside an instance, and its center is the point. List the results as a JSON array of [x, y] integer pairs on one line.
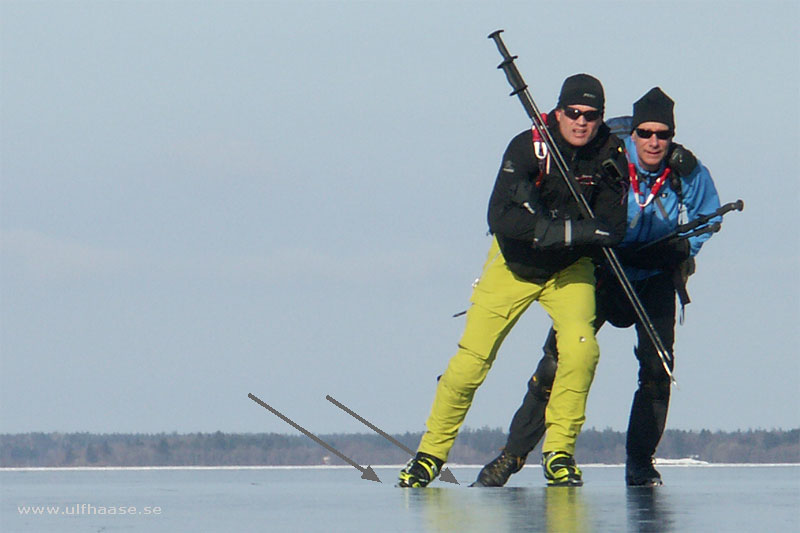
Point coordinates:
[[711, 228], [521, 90], [675, 237], [681, 231], [738, 205]]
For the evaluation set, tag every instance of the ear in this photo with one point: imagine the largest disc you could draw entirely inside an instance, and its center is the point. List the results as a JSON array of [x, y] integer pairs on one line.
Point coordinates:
[[559, 114]]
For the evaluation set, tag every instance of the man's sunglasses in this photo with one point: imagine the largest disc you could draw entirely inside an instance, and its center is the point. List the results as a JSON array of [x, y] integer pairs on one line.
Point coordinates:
[[574, 114], [646, 134]]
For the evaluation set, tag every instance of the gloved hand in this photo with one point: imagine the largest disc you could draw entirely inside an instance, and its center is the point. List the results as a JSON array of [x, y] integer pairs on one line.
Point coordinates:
[[681, 160], [591, 231], [560, 233]]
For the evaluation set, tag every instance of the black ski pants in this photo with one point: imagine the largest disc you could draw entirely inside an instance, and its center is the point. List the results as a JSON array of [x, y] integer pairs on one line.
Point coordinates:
[[650, 401]]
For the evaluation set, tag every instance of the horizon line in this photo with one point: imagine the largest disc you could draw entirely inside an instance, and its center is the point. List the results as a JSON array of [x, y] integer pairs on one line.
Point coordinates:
[[347, 467], [465, 429]]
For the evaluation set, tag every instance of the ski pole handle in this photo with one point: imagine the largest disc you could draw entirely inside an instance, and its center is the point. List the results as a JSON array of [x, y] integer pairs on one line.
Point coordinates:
[[711, 228], [515, 78], [687, 230], [495, 36], [675, 236], [738, 205]]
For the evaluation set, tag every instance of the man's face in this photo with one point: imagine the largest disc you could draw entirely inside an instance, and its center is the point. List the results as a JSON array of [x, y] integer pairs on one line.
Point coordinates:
[[649, 147], [574, 126]]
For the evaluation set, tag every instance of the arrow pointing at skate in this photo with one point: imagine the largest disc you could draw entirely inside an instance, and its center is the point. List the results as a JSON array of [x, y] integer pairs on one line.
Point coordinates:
[[366, 473], [446, 474]]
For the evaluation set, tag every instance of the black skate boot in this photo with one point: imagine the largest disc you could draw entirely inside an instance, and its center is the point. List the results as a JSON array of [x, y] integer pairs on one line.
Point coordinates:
[[497, 472], [641, 473]]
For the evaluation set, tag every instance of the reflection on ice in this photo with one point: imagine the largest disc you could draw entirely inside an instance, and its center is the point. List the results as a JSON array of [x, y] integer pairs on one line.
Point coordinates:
[[557, 509], [605, 505], [648, 510]]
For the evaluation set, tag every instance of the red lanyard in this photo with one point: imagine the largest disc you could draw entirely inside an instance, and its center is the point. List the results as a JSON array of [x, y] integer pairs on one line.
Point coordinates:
[[656, 186], [540, 151]]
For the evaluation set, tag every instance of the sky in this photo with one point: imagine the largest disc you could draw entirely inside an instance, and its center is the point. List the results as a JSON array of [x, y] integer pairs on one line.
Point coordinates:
[[201, 200]]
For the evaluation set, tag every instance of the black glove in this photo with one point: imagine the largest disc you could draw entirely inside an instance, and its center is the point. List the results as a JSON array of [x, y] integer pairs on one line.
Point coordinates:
[[591, 231], [664, 256], [564, 233], [681, 160]]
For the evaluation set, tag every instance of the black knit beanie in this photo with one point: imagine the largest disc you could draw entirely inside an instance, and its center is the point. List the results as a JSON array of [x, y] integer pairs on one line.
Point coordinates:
[[655, 106], [582, 89]]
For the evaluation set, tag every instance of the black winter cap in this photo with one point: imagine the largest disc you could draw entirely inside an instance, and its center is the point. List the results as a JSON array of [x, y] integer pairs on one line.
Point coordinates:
[[655, 106], [582, 89]]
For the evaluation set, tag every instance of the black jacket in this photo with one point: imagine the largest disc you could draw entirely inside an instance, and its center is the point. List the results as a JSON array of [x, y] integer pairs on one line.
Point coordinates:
[[517, 182]]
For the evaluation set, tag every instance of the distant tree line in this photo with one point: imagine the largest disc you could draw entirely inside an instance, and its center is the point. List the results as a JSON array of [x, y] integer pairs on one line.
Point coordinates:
[[475, 446]]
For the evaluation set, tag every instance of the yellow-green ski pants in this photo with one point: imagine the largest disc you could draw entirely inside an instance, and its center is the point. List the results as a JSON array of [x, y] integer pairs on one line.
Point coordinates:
[[498, 300]]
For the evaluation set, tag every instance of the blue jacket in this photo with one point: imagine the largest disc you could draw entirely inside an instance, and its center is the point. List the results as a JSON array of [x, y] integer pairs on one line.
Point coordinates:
[[645, 225]]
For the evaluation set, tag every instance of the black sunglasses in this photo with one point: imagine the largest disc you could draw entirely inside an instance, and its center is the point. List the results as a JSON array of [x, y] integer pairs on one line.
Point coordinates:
[[646, 134], [574, 114]]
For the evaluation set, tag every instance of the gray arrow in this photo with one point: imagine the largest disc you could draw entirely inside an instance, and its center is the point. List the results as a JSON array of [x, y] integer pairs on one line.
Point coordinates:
[[446, 474], [366, 473]]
